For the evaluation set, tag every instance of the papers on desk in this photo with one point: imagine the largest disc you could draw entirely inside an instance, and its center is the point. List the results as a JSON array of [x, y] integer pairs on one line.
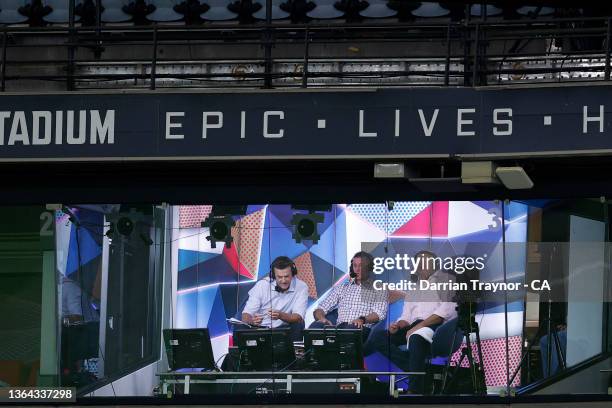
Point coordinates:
[[237, 322]]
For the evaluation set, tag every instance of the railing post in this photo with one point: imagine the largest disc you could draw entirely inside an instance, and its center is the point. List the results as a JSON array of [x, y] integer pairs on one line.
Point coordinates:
[[71, 47], [305, 69], [4, 42], [154, 58], [607, 68], [476, 56], [448, 58], [268, 47]]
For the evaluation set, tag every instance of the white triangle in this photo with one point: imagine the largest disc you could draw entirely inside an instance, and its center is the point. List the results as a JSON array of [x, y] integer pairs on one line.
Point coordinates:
[[465, 217]]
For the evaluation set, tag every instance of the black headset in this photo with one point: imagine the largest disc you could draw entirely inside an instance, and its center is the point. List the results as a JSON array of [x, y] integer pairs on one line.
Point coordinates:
[[361, 254], [281, 263]]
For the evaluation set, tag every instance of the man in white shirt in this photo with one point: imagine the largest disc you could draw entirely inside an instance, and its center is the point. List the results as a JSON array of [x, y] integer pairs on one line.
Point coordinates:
[[423, 313], [279, 300]]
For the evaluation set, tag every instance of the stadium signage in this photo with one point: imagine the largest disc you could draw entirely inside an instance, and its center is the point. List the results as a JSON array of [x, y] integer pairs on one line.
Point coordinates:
[[316, 124]]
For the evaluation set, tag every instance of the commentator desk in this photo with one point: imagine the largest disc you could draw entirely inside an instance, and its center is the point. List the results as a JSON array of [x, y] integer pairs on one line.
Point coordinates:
[[265, 377]]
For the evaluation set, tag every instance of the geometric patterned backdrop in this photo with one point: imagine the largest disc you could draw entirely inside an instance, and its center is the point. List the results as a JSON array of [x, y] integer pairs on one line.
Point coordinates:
[[213, 283]]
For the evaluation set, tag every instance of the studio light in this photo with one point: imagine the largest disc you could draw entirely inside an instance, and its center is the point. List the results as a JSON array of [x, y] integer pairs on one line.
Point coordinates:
[[219, 230], [305, 225], [125, 226], [220, 223]]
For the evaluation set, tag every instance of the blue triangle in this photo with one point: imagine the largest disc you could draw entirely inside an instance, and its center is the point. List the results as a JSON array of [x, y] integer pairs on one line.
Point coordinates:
[[324, 274], [234, 298], [282, 215], [87, 248], [187, 258], [281, 242], [515, 210], [206, 299], [214, 270], [217, 325]]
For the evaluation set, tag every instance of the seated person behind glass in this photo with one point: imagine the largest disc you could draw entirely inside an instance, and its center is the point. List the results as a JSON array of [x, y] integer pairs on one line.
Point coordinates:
[[80, 344], [279, 300], [423, 312], [77, 306], [359, 305]]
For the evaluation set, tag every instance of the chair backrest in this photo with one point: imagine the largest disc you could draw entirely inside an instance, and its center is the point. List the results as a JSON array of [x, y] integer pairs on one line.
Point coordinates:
[[60, 11], [430, 9], [218, 11], [377, 9], [325, 10], [9, 13], [113, 11], [164, 11]]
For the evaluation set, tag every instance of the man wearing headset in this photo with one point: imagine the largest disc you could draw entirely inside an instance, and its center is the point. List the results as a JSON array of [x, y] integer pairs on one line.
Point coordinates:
[[359, 305], [279, 300]]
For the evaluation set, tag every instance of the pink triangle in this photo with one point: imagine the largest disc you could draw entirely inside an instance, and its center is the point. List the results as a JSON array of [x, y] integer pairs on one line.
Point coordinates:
[[231, 255], [419, 225]]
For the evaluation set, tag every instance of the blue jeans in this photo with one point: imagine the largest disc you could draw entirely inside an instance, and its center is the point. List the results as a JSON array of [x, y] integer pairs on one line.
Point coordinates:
[[413, 359]]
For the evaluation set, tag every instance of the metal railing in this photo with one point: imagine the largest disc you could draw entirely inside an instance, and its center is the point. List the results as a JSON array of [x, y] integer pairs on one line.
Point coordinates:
[[270, 55]]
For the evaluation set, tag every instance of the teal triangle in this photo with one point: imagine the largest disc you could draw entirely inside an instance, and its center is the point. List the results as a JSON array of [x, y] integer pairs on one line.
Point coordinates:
[[188, 258]]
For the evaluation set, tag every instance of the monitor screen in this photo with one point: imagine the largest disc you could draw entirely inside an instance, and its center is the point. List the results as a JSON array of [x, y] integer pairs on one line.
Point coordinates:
[[189, 348], [264, 350], [333, 349]]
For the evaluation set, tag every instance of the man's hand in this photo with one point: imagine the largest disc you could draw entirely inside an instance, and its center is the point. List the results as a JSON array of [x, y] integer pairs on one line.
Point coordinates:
[[395, 326], [358, 323], [412, 330], [325, 322], [257, 319], [275, 314]]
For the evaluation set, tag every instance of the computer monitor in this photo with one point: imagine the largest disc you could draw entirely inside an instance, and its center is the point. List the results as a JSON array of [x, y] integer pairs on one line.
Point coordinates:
[[189, 348], [333, 349], [264, 349]]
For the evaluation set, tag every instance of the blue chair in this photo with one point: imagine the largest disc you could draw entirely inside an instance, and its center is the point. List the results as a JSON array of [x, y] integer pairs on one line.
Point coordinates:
[[140, 10], [113, 11], [377, 9], [325, 10], [298, 9], [9, 13], [532, 10], [429, 9], [218, 11], [60, 11], [164, 11]]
